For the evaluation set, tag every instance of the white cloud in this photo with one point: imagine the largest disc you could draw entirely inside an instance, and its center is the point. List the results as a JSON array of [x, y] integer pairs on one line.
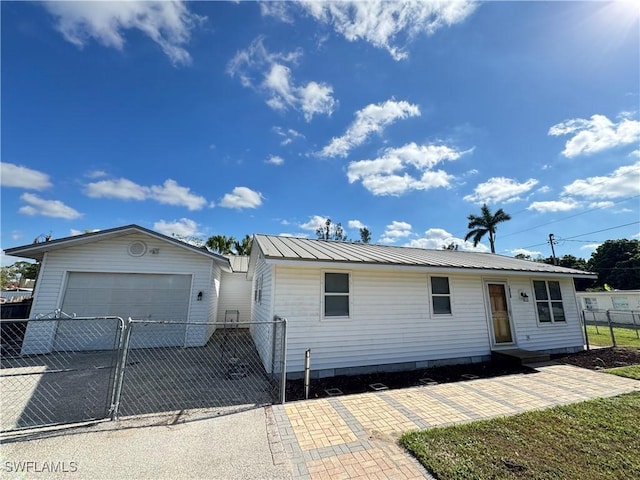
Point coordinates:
[[274, 160], [315, 222], [74, 233], [241, 197], [270, 74], [96, 174], [47, 208], [623, 182], [524, 251], [596, 134], [601, 204], [590, 246], [169, 193], [120, 188], [167, 23], [436, 238], [562, 205], [356, 224], [22, 177], [371, 119], [279, 10], [289, 135], [395, 231], [183, 227], [387, 175], [384, 24], [500, 190]]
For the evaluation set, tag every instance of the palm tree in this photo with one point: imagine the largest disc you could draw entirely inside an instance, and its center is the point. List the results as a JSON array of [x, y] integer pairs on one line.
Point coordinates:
[[243, 247], [480, 225], [221, 244]]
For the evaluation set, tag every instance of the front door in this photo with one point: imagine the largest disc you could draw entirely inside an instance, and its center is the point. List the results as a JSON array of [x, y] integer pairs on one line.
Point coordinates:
[[499, 313]]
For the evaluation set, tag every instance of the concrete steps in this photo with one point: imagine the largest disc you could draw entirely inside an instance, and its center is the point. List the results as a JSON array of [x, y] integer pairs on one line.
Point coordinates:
[[520, 357]]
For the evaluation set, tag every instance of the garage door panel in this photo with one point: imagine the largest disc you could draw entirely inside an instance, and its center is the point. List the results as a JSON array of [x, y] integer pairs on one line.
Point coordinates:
[[139, 296]]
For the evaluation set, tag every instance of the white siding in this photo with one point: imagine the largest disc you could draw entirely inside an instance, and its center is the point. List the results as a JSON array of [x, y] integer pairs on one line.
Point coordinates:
[[263, 312], [112, 256], [532, 335], [235, 294], [390, 320]]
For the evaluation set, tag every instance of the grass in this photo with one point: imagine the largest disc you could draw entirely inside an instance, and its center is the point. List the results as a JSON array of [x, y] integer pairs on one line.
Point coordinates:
[[624, 336], [632, 371], [597, 439]]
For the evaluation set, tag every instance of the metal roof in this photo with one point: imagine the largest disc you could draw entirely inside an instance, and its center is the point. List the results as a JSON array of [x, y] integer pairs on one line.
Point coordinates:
[[37, 250], [239, 263], [305, 249]]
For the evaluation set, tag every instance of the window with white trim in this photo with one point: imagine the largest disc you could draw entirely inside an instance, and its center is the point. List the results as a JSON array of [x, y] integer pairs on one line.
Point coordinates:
[[336, 294], [548, 301], [440, 296]]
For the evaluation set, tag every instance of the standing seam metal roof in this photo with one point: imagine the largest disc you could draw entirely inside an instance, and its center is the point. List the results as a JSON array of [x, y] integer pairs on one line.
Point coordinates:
[[304, 249]]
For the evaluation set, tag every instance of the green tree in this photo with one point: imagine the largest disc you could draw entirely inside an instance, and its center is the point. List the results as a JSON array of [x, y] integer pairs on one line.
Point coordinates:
[[331, 231], [243, 247], [221, 244], [567, 261], [486, 223], [617, 263], [12, 274], [365, 235]]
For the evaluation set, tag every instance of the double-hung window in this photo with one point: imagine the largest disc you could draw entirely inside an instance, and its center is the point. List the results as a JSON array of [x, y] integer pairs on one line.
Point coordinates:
[[548, 301], [336, 294], [440, 296], [591, 303]]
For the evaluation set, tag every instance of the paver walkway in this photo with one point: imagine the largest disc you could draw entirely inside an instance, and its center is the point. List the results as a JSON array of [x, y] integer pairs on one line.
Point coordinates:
[[355, 437]]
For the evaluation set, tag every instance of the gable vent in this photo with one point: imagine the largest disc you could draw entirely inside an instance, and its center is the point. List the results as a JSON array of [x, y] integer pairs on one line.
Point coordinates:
[[137, 249]]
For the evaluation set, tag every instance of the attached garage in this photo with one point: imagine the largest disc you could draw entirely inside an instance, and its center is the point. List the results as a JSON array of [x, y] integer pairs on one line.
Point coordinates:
[[129, 272], [141, 296]]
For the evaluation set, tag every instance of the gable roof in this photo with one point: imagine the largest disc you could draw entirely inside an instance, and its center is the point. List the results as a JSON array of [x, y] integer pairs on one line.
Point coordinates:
[[289, 249], [37, 250]]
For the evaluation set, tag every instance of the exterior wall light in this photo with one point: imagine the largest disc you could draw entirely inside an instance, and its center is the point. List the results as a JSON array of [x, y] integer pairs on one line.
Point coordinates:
[[200, 296]]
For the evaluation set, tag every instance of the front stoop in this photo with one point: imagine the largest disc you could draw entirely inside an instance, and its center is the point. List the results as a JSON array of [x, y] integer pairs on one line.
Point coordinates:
[[520, 357]]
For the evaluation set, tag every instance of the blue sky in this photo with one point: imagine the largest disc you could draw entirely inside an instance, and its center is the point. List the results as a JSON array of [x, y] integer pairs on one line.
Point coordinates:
[[237, 118]]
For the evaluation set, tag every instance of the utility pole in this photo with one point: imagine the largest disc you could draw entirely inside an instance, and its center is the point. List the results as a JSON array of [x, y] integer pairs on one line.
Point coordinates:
[[553, 251]]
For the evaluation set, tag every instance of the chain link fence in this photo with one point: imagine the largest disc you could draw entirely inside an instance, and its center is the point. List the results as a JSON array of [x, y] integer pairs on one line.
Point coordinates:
[[63, 370], [48, 377], [611, 328]]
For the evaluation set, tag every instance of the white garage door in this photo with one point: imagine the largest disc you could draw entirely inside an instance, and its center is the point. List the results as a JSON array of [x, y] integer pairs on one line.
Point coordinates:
[[139, 296]]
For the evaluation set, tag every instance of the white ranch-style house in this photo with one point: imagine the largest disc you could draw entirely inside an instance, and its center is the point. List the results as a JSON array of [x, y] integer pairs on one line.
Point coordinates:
[[358, 307]]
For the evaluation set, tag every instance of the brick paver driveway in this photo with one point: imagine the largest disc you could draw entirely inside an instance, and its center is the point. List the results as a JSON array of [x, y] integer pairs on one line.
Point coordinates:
[[355, 437]]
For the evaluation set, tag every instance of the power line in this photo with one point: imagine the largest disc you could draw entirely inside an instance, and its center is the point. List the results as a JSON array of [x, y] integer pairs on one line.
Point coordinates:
[[583, 234], [570, 216]]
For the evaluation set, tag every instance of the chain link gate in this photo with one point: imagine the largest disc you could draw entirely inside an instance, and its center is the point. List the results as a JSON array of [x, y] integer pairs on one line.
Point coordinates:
[[57, 369], [60, 370]]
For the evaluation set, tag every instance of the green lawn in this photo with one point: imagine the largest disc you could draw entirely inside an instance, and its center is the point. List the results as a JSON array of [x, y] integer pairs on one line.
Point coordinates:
[[597, 439], [624, 336], [632, 371]]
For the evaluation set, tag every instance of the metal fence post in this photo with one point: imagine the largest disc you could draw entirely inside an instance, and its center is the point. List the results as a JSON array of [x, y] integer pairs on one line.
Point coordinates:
[[635, 327], [586, 332], [120, 368], [613, 337], [283, 378]]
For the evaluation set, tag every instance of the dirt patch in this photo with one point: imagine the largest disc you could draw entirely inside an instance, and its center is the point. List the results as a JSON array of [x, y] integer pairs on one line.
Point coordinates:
[[600, 358]]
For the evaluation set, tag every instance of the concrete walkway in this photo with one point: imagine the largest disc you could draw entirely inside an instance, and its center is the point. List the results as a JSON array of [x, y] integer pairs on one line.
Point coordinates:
[[355, 437]]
